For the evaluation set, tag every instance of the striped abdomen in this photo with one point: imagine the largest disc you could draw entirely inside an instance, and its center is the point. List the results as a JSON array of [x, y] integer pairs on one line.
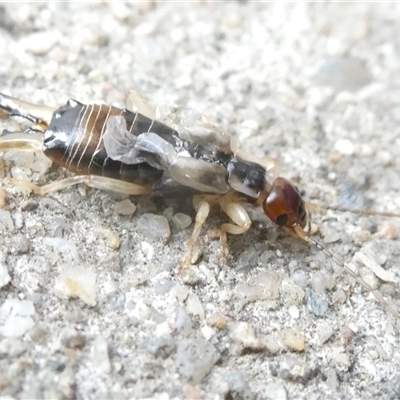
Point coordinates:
[[74, 140]]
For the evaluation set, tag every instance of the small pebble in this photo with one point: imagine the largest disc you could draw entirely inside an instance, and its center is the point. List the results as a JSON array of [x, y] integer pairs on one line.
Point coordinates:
[[274, 391], [191, 277], [216, 320], [339, 296], [6, 222], [4, 275], [161, 347], [100, 357], [73, 339], [271, 344], [154, 226], [316, 304], [263, 286], [293, 294], [3, 197], [38, 264], [244, 334], [344, 146], [300, 279], [57, 226], [332, 379], [182, 323], [247, 260], [163, 286], [66, 248], [120, 10], [180, 292], [194, 306], [18, 220], [366, 257], [39, 43], [168, 213], [292, 369], [124, 207], [207, 332], [343, 74], [11, 347], [321, 281], [181, 221], [195, 358], [77, 282], [28, 204], [19, 244], [346, 335], [112, 239], [388, 231], [239, 388], [16, 317], [292, 338], [324, 333], [294, 312]]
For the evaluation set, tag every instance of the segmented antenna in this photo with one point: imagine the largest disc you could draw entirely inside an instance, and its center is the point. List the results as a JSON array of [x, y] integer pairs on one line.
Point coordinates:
[[353, 274]]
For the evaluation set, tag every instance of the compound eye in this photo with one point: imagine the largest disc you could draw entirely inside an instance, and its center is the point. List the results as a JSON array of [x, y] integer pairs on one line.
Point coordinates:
[[282, 219], [284, 205]]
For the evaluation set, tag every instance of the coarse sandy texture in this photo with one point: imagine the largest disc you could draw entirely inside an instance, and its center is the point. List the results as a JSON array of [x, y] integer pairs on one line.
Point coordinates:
[[316, 86]]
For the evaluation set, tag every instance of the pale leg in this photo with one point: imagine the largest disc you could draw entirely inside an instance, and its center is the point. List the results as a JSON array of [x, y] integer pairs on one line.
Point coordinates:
[[21, 142], [98, 182], [239, 216], [39, 115], [137, 103], [203, 209]]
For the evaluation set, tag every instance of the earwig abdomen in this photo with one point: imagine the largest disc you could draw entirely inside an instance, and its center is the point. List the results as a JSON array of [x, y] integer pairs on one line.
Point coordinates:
[[74, 140]]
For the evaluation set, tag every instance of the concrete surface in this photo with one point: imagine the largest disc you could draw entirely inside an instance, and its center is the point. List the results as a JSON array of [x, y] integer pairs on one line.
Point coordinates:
[[315, 85]]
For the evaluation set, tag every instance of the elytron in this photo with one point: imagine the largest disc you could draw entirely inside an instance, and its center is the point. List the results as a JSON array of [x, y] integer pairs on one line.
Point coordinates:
[[159, 152]]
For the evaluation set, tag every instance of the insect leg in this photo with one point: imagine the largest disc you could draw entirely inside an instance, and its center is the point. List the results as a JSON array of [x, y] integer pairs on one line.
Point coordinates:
[[98, 182], [39, 115], [203, 209], [274, 165], [137, 103], [238, 215], [21, 142]]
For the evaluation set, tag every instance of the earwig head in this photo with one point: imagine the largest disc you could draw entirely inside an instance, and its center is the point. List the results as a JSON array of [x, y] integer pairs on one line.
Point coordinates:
[[284, 205]]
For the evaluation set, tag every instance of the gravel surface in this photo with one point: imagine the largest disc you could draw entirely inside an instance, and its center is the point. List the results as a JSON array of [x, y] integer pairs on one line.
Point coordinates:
[[91, 302]]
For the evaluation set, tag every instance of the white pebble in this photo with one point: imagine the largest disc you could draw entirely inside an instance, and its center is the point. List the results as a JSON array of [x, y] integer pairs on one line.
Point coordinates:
[[324, 333], [4, 276], [244, 334], [77, 282], [181, 221], [39, 43], [207, 332], [154, 226], [15, 316], [294, 312], [292, 338], [100, 356], [124, 207], [194, 306], [6, 222], [344, 146]]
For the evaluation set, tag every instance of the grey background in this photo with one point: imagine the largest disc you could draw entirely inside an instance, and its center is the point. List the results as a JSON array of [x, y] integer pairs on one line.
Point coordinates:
[[290, 81]]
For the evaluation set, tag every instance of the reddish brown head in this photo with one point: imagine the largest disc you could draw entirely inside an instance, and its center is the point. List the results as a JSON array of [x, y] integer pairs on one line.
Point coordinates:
[[284, 205]]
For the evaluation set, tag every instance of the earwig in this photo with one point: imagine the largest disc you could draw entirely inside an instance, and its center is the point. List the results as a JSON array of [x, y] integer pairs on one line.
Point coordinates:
[[136, 154]]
